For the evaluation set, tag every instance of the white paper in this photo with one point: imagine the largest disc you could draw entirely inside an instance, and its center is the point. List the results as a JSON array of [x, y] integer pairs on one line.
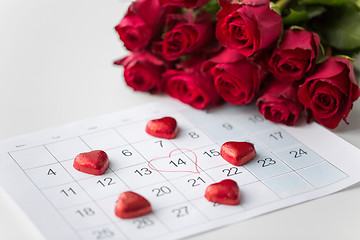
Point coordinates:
[[293, 165]]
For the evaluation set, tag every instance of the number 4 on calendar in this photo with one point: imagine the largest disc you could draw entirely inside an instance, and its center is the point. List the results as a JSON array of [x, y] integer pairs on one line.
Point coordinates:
[[51, 172]]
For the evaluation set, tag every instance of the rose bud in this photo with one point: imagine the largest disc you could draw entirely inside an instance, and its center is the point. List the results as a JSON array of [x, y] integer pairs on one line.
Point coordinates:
[[236, 78], [296, 55], [186, 37], [279, 102], [328, 94], [248, 26], [184, 3], [142, 22], [143, 71], [191, 85]]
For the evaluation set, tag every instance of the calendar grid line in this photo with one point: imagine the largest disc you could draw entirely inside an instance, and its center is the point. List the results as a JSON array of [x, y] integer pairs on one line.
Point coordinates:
[[272, 151], [295, 171], [94, 199], [30, 147], [27, 169], [194, 198], [277, 151], [111, 196], [188, 201], [120, 179], [301, 143], [97, 226], [274, 176], [174, 197], [284, 162], [274, 128], [258, 179], [75, 205], [258, 131], [262, 182], [179, 190], [70, 159], [245, 165], [88, 132], [215, 143], [305, 167], [169, 181], [57, 210], [194, 162], [146, 161], [201, 198]]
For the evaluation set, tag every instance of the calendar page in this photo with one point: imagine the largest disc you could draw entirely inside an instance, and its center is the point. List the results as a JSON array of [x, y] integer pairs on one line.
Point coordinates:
[[293, 165]]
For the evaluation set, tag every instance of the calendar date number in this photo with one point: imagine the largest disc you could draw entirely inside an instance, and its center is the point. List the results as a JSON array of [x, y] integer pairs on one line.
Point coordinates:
[[161, 191], [103, 234], [143, 223], [266, 162]]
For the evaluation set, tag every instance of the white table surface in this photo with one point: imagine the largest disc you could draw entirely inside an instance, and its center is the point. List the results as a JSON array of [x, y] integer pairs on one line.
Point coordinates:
[[56, 67]]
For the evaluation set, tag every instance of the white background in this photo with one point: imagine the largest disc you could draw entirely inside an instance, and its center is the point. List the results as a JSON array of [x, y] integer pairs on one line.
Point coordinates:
[[56, 67]]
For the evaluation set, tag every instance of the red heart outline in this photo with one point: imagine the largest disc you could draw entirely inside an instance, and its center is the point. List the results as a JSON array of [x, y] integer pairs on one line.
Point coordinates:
[[178, 149]]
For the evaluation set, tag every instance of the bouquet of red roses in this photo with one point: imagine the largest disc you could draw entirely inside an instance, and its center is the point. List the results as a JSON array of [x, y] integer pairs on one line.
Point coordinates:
[[288, 56]]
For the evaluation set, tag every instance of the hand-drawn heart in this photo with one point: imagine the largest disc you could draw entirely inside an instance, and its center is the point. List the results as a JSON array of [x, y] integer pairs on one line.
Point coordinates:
[[174, 163]]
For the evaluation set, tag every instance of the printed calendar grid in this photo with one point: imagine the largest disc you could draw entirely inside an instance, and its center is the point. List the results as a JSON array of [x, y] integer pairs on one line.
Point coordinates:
[[192, 203], [296, 143], [57, 210]]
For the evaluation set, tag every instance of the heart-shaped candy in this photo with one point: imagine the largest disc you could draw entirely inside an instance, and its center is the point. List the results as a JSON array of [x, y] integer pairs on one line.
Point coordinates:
[[225, 192], [238, 153], [95, 162], [132, 205], [165, 127]]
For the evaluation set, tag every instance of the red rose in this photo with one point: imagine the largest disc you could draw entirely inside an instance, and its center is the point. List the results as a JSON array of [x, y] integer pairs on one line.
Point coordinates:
[[236, 78], [328, 94], [190, 85], [296, 55], [186, 37], [279, 103], [184, 3], [143, 20], [143, 71], [248, 26]]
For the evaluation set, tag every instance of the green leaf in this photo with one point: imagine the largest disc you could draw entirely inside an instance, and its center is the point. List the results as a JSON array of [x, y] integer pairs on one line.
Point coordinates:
[[357, 2], [300, 14], [295, 17], [275, 7], [341, 28], [212, 7], [323, 2]]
